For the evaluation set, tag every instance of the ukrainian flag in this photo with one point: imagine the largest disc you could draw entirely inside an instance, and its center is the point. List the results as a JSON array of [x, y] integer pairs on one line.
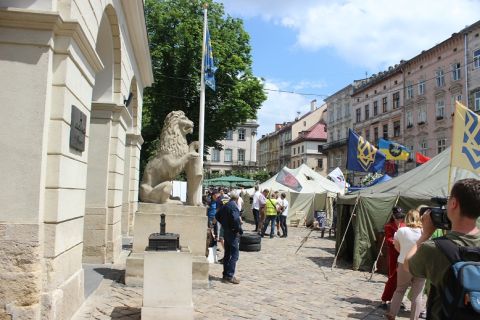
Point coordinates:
[[393, 150], [466, 139]]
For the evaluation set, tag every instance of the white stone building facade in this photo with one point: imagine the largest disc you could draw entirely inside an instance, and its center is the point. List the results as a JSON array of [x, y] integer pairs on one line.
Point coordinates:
[[74, 74]]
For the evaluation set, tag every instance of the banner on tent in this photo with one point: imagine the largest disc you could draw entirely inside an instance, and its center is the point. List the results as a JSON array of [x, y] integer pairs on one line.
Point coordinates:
[[287, 179]]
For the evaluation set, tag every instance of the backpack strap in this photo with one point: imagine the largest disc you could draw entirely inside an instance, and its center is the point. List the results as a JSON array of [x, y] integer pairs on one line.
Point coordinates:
[[449, 248]]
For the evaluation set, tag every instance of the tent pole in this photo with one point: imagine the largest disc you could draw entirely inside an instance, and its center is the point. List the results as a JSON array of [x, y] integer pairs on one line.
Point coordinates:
[[374, 267], [334, 264]]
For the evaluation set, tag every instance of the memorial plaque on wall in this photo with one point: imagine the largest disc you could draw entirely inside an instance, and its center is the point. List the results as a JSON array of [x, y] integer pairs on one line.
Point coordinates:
[[78, 129]]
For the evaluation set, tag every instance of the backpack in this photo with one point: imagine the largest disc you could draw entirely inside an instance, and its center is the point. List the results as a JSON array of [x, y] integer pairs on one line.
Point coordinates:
[[461, 292]]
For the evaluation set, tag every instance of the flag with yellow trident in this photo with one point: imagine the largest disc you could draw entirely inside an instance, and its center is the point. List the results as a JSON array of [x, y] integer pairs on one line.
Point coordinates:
[[466, 139], [362, 155]]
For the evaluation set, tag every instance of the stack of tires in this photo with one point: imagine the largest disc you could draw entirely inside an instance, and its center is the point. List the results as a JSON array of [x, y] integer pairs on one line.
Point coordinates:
[[250, 242]]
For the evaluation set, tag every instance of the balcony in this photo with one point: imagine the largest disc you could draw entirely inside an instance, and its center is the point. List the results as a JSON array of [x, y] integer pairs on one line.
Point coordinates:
[[334, 144]]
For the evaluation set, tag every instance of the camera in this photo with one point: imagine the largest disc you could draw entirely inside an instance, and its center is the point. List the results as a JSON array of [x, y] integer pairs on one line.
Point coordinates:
[[438, 214]]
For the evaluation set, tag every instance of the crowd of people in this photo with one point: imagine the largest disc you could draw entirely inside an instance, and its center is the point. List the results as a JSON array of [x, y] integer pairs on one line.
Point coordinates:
[[415, 261], [225, 209]]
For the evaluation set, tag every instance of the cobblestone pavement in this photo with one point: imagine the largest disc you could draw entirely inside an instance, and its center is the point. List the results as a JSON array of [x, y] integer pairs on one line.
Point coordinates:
[[276, 283]]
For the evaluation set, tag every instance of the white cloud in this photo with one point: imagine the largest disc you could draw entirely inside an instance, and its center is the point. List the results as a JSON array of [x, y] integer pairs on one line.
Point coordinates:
[[368, 33], [281, 106]]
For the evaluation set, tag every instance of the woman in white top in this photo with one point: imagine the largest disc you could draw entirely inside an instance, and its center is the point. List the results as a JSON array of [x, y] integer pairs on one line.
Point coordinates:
[[404, 239]]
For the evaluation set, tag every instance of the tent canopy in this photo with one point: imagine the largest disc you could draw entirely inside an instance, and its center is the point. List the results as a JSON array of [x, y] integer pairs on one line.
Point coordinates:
[[229, 181], [316, 193], [375, 203]]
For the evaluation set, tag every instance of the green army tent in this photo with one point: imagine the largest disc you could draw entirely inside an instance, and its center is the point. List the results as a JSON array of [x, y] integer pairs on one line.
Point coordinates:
[[374, 204], [316, 193]]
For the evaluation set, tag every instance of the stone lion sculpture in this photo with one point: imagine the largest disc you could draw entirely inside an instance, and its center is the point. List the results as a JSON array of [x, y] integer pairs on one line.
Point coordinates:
[[173, 156]]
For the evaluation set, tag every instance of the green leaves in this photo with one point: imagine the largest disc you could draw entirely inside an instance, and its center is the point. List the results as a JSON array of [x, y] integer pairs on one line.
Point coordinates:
[[175, 30]]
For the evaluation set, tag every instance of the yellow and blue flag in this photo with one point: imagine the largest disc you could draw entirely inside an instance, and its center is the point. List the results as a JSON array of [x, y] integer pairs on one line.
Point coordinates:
[[362, 155], [466, 139], [208, 63], [393, 150]]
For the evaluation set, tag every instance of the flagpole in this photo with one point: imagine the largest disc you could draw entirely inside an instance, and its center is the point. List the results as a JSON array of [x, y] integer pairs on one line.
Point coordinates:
[[201, 116], [451, 153]]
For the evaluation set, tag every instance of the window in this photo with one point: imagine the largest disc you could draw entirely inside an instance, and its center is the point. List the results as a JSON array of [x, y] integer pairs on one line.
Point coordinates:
[[339, 113], [332, 159], [456, 71], [385, 131], [441, 144], [228, 155], [375, 108], [339, 134], [241, 155], [367, 112], [303, 149], [440, 109], [229, 135], [330, 115], [241, 134], [304, 123], [411, 154], [396, 128], [320, 163], [421, 88], [476, 59], [347, 110], [358, 115], [396, 100], [215, 155], [423, 147], [339, 160], [409, 119], [410, 91], [477, 101], [384, 104], [422, 115], [375, 135], [294, 151], [319, 148], [367, 134], [440, 78]]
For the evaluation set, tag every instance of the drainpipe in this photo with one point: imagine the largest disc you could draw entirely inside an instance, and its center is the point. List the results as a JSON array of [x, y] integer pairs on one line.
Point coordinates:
[[466, 68]]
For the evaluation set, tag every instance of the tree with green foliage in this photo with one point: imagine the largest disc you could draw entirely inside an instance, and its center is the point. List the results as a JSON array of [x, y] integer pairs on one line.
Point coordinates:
[[175, 31]]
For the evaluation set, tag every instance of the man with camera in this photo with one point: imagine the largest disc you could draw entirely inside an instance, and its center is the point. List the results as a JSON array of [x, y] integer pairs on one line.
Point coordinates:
[[427, 260]]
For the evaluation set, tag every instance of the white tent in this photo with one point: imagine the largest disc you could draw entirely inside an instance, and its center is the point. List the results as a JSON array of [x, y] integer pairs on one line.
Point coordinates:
[[316, 194]]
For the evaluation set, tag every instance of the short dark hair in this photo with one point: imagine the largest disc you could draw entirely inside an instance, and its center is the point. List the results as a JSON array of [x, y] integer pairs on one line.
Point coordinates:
[[467, 193], [398, 213]]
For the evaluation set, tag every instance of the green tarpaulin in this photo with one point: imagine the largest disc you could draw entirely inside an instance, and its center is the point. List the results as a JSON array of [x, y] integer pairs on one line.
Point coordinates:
[[374, 205], [229, 181]]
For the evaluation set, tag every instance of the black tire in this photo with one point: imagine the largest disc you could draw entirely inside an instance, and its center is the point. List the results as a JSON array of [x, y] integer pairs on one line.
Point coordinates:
[[250, 247], [250, 238]]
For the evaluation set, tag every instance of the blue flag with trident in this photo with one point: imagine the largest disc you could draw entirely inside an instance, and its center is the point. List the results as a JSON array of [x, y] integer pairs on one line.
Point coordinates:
[[362, 155], [208, 63]]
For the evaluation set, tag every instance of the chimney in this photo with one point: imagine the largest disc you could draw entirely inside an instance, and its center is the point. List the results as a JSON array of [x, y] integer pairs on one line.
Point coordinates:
[[278, 126], [313, 104]]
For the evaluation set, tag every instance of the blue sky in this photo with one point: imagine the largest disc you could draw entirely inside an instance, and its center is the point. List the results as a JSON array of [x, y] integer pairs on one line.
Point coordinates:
[[320, 46]]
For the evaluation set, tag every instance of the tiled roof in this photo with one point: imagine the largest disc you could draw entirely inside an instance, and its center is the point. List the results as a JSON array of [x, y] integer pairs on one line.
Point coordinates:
[[317, 131]]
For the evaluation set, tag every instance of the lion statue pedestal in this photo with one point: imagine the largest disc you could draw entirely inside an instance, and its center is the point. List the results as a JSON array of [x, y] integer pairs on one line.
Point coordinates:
[[173, 156]]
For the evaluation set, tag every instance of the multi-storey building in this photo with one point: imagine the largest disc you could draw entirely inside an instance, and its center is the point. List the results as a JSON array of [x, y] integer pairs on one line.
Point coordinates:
[[434, 80], [377, 105], [339, 121], [308, 148], [472, 65], [238, 151]]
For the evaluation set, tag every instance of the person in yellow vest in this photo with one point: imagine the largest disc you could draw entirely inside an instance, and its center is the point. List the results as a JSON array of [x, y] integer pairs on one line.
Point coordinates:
[[270, 215]]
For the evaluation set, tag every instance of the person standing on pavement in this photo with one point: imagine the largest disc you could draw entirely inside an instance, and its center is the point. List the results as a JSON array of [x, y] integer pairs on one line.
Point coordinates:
[[262, 200], [404, 240], [229, 217], [270, 215], [284, 215], [256, 208], [396, 221]]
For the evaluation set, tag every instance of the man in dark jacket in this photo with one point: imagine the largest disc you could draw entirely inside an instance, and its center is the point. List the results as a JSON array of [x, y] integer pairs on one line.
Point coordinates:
[[229, 217]]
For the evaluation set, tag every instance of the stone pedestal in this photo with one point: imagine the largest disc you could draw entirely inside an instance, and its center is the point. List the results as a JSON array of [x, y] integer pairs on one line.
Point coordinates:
[[190, 222], [167, 289]]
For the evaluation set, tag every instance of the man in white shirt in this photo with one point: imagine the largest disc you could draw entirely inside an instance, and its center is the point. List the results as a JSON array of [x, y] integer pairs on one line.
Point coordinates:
[[284, 215], [256, 207]]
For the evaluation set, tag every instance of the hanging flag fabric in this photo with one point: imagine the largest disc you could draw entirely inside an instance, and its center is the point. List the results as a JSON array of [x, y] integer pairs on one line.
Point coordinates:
[[208, 63], [466, 139], [362, 155], [337, 176], [393, 150], [420, 158], [288, 180]]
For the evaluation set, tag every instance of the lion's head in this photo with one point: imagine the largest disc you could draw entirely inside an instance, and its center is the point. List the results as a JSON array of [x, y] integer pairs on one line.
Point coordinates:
[[172, 138]]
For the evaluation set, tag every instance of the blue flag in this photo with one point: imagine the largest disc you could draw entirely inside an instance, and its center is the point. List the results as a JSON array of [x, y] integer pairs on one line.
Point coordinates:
[[362, 156], [208, 63]]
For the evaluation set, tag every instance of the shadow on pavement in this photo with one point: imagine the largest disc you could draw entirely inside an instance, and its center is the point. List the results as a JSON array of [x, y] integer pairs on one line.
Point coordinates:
[[326, 262], [112, 274], [126, 313]]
